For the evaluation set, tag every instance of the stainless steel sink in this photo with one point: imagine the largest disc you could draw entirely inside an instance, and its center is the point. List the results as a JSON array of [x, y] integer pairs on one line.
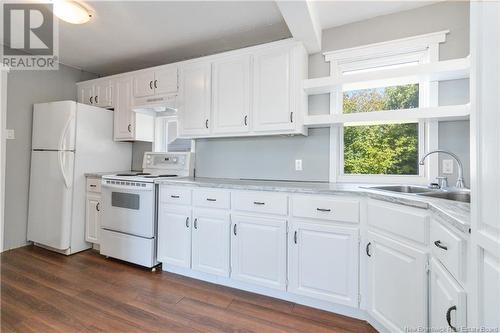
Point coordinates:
[[404, 189], [461, 195]]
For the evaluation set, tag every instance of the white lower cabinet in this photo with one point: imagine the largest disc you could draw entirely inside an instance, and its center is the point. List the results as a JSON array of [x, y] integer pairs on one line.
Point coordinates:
[[210, 242], [174, 235], [447, 300], [397, 283], [258, 250], [323, 262], [93, 217]]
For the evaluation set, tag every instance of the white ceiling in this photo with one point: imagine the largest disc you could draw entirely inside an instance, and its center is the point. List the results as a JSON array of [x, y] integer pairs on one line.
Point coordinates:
[[124, 36], [334, 13]]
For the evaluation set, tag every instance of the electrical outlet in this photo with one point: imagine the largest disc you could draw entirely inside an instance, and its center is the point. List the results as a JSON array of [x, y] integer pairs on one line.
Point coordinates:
[[298, 165], [10, 134], [447, 167]]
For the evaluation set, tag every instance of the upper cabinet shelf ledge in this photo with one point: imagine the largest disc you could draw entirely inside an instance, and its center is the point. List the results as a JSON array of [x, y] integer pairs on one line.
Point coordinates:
[[438, 71]]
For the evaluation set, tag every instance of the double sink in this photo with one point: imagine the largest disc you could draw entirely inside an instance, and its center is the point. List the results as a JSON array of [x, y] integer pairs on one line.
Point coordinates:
[[462, 195]]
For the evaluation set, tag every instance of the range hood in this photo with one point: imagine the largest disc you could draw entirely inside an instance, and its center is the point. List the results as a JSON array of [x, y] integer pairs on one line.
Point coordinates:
[[157, 106]]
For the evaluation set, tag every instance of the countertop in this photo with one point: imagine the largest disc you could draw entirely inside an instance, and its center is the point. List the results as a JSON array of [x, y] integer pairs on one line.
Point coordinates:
[[100, 174], [453, 212]]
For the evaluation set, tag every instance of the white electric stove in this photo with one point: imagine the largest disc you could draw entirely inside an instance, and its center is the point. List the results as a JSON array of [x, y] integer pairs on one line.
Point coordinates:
[[129, 208]]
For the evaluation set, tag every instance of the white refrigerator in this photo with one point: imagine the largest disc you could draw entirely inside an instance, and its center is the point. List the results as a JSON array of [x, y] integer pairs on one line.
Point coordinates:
[[69, 139]]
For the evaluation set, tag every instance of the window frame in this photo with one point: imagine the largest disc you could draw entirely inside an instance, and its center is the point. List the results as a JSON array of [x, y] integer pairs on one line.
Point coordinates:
[[421, 49]]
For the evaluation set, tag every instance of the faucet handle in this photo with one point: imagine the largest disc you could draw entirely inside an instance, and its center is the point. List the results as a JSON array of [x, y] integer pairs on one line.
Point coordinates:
[[442, 181]]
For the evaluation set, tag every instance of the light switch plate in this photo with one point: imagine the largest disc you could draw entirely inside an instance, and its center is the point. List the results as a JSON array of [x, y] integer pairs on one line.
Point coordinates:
[[298, 165], [448, 167], [10, 134]]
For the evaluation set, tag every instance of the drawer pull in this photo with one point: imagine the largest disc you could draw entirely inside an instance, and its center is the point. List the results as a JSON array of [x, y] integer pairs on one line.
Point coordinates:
[[93, 185], [259, 203], [211, 199], [187, 222], [448, 317], [174, 196], [323, 210], [441, 246], [368, 249]]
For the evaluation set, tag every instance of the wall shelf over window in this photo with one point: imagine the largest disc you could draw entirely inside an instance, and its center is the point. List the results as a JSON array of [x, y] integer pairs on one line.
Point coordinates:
[[435, 71], [450, 112]]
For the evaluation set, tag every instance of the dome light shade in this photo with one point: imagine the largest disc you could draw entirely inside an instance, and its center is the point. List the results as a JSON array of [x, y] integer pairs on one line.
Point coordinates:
[[71, 11]]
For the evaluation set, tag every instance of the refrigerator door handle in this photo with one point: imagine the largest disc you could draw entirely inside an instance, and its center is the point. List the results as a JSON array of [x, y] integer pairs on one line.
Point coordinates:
[[65, 132], [62, 168]]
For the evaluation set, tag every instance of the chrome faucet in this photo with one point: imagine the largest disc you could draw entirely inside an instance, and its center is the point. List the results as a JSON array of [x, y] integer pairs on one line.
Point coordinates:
[[460, 179]]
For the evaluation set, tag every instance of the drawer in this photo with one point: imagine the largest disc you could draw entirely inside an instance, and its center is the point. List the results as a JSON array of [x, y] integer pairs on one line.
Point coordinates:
[[175, 195], [94, 185], [449, 248], [211, 198], [137, 250], [326, 208], [260, 202], [407, 222]]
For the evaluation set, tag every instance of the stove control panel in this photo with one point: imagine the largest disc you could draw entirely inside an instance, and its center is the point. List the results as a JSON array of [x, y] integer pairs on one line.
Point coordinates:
[[165, 162]]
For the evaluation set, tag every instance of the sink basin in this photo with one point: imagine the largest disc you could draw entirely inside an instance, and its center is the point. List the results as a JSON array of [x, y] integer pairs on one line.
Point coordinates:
[[404, 189], [462, 195]]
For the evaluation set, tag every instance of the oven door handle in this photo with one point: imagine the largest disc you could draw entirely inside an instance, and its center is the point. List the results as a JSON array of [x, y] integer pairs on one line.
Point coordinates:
[[148, 187]]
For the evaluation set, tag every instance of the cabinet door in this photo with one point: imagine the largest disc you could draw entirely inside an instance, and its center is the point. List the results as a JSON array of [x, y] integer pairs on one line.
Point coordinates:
[[103, 94], [166, 80], [447, 300], [397, 283], [272, 90], [195, 99], [174, 235], [211, 241], [93, 218], [144, 84], [124, 117], [86, 94], [258, 251], [324, 262], [231, 95]]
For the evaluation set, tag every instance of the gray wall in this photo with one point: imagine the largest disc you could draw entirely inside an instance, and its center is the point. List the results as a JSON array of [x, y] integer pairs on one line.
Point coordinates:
[[248, 157], [138, 150], [24, 88]]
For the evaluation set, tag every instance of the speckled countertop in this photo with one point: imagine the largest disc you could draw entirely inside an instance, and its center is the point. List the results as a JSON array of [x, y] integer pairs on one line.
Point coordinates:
[[453, 212], [100, 174]]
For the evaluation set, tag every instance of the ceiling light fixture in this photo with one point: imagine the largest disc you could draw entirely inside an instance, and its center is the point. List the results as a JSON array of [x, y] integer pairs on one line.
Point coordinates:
[[71, 11]]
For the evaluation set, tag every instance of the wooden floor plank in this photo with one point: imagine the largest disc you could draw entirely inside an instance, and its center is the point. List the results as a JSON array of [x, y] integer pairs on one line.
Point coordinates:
[[43, 291]]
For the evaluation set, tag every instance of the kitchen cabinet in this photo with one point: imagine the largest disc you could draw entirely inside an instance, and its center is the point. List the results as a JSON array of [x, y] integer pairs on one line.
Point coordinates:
[[272, 90], [93, 205], [258, 251], [397, 283], [231, 95], [447, 300], [194, 99], [323, 261], [155, 82], [129, 125], [97, 93], [174, 235], [210, 241]]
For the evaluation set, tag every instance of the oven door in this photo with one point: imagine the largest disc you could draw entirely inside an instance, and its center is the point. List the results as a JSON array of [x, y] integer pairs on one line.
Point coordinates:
[[129, 209]]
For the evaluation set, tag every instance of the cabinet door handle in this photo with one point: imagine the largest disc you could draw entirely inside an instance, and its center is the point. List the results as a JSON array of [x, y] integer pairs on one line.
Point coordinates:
[[129, 127], [195, 223], [246, 120], [187, 222], [448, 317], [368, 249], [440, 245], [98, 207], [156, 81], [96, 100], [295, 237], [259, 203], [91, 99], [151, 85], [174, 196], [291, 117], [206, 123], [234, 229], [211, 199], [323, 210]]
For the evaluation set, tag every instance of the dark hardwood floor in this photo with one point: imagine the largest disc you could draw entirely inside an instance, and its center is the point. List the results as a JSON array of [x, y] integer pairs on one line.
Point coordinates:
[[42, 291]]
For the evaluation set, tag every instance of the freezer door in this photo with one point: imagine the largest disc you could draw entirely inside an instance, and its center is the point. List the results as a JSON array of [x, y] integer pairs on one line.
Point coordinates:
[[54, 126], [50, 198]]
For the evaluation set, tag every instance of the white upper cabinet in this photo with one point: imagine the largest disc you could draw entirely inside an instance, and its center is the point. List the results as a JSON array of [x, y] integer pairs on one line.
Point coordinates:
[[258, 251], [124, 117], [273, 105], [323, 262], [397, 283], [97, 93], [155, 82], [195, 99], [86, 93], [231, 95], [143, 84]]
